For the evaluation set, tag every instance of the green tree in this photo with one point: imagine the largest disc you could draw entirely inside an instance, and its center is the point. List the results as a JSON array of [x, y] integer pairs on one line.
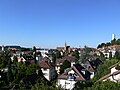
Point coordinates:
[[25, 49], [108, 44], [31, 69], [41, 84], [15, 59], [103, 69], [85, 55], [76, 54], [66, 64], [117, 55], [117, 67], [53, 58], [106, 85], [110, 55], [102, 56], [34, 50], [118, 42], [58, 54], [113, 42], [4, 59], [9, 73], [80, 85]]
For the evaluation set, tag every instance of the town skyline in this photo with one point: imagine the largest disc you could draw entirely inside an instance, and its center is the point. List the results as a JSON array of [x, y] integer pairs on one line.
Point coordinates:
[[50, 24]]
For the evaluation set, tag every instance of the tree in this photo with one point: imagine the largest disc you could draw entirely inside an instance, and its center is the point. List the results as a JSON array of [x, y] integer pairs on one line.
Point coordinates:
[[25, 49], [117, 67], [15, 59], [103, 69], [80, 85], [118, 42], [9, 73], [103, 44], [117, 55], [66, 64], [85, 55], [42, 85], [102, 56], [113, 42], [76, 54], [106, 85], [4, 59], [53, 58], [99, 46], [110, 55], [34, 50], [58, 54], [31, 69], [108, 44]]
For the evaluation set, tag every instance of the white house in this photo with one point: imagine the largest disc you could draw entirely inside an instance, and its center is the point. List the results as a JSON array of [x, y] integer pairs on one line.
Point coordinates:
[[19, 59], [48, 70], [44, 52], [71, 75], [106, 50], [90, 67], [113, 76]]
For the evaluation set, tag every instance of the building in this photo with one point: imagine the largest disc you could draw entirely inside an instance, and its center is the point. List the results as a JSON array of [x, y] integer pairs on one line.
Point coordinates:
[[91, 66], [71, 75], [24, 59], [60, 61], [48, 69], [43, 51], [114, 75], [113, 36]]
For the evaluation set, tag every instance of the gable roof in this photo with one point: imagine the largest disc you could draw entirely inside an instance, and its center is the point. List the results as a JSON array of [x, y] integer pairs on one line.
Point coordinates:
[[114, 65], [69, 58], [90, 66], [46, 64], [108, 75], [80, 76]]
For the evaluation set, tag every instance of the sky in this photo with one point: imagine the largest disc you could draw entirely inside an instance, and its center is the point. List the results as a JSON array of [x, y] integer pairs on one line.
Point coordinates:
[[51, 23]]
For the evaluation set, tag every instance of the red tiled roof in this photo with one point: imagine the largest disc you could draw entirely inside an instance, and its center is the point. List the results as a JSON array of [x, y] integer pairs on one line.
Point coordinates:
[[45, 59], [46, 64], [69, 58], [60, 48]]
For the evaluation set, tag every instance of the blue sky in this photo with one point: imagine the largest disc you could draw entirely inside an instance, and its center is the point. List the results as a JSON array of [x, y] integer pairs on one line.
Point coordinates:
[[49, 23]]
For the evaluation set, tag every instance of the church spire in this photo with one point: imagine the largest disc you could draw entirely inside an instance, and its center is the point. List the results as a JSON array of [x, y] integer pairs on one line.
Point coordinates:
[[65, 47]]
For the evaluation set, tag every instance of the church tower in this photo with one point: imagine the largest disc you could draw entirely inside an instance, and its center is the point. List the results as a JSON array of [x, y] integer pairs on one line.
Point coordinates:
[[113, 36], [65, 47]]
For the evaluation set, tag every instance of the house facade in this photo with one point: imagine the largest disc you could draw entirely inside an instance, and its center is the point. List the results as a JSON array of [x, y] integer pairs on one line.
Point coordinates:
[[71, 75], [43, 51], [48, 70]]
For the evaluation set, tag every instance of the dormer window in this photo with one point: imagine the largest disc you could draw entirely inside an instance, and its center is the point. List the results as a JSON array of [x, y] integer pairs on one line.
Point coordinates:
[[71, 77], [88, 67]]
